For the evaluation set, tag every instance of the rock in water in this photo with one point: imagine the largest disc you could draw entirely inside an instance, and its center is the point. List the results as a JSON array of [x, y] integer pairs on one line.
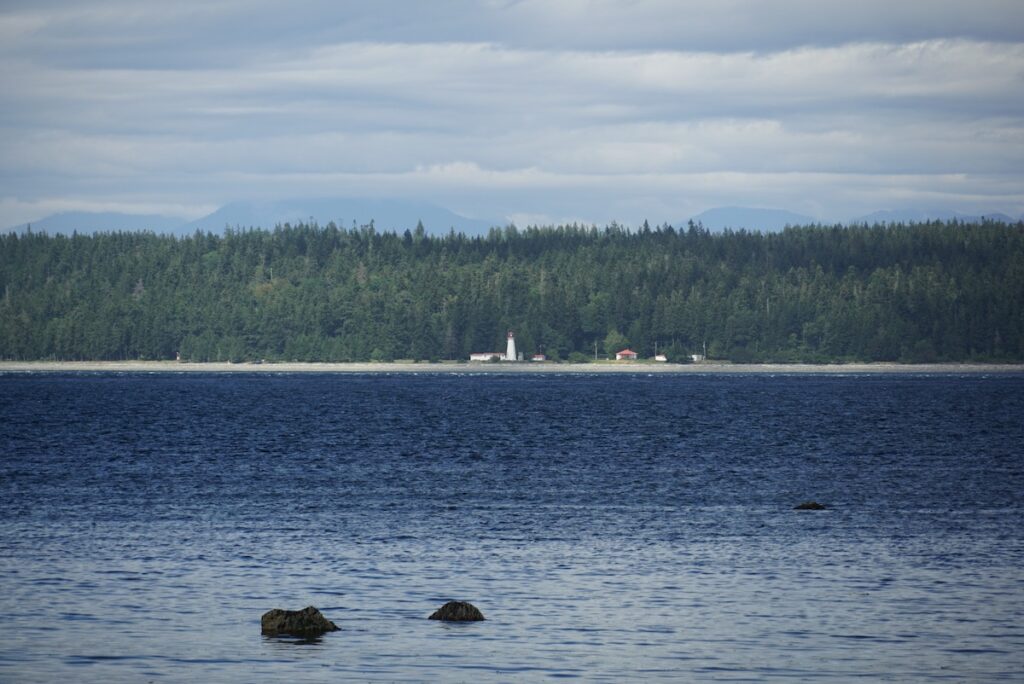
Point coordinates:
[[457, 611], [306, 622], [809, 506]]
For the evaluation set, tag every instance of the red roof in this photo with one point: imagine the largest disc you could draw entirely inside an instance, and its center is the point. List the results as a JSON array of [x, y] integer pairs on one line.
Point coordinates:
[[626, 352]]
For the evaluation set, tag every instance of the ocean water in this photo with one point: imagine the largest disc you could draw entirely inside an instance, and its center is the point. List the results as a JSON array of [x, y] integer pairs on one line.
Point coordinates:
[[615, 528]]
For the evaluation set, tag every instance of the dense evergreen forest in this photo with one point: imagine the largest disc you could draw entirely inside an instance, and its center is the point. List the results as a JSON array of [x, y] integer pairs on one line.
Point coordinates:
[[912, 293]]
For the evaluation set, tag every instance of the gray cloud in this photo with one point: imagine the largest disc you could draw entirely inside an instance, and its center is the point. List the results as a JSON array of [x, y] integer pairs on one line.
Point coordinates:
[[108, 32], [589, 110]]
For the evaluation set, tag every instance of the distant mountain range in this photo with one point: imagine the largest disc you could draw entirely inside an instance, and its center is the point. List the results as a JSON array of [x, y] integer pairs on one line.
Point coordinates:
[[386, 214], [92, 222], [770, 220], [751, 218], [400, 215], [922, 215]]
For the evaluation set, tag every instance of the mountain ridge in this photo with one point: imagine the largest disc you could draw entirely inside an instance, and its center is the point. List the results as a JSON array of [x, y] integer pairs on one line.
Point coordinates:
[[751, 218], [924, 215], [400, 215], [67, 222], [386, 214]]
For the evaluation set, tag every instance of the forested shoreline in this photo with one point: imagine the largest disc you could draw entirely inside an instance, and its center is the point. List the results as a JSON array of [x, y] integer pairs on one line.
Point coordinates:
[[913, 293]]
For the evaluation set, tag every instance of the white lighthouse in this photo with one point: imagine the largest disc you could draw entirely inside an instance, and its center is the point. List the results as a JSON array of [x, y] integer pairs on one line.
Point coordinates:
[[510, 347]]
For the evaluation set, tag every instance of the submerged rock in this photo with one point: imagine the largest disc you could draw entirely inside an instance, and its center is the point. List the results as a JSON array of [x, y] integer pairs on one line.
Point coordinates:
[[809, 506], [457, 611], [306, 622]]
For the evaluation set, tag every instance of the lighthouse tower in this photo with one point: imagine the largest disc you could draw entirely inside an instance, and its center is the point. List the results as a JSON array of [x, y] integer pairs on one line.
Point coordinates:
[[510, 348]]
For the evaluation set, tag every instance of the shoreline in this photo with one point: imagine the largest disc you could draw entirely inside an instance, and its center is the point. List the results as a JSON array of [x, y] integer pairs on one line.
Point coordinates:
[[525, 367]]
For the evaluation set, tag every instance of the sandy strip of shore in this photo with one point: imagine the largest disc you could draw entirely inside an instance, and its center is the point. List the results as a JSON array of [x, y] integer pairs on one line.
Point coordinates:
[[543, 367]]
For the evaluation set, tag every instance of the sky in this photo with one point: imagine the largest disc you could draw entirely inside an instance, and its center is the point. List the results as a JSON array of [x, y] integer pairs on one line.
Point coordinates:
[[533, 111]]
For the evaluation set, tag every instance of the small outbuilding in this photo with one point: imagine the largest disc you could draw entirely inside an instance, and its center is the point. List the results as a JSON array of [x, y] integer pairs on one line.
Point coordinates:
[[625, 355]]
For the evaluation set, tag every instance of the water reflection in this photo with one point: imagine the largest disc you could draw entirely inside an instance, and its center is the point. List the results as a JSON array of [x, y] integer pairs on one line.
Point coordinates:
[[290, 641]]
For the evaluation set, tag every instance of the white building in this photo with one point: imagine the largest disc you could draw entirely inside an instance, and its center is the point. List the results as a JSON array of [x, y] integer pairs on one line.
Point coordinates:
[[509, 355]]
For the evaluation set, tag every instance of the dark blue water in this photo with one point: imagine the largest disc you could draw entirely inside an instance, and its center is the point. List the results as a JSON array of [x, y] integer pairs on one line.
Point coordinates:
[[610, 527]]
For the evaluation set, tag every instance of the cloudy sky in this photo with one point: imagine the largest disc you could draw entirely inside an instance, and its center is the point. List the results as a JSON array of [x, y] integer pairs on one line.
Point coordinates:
[[533, 111]]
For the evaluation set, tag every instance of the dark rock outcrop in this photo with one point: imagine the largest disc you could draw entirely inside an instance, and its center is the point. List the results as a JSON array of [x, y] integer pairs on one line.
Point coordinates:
[[306, 622], [457, 611], [809, 506]]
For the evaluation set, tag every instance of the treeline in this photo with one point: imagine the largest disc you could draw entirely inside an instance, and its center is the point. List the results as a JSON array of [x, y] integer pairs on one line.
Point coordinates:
[[912, 293]]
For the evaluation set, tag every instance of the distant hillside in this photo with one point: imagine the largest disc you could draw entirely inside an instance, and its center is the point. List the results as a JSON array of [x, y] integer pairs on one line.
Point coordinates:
[[920, 293], [386, 214], [923, 215], [399, 215], [751, 218], [93, 222]]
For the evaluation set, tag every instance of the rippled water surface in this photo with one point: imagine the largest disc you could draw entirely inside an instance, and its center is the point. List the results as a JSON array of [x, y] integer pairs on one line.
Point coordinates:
[[610, 527]]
